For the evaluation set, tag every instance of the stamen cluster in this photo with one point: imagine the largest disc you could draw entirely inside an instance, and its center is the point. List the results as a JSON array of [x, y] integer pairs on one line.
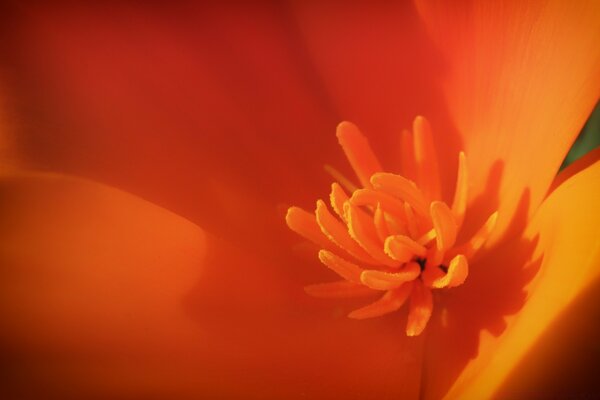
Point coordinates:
[[393, 234]]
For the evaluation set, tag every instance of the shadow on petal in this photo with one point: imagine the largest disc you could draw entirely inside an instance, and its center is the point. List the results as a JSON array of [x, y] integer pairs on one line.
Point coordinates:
[[493, 291]]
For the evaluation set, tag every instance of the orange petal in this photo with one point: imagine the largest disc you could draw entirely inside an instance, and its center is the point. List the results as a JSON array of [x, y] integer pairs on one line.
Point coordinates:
[[518, 74], [390, 302], [92, 273], [105, 295], [407, 155], [358, 151], [380, 280], [154, 149], [535, 284], [380, 90], [9, 158]]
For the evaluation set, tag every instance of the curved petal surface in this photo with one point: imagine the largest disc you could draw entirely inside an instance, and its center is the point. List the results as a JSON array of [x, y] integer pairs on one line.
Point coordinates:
[[9, 158], [207, 109], [381, 70], [104, 295], [522, 79], [556, 260]]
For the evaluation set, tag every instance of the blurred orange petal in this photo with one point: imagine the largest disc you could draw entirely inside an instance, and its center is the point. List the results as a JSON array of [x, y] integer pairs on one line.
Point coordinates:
[[92, 278], [210, 112], [203, 109], [106, 295], [380, 69]]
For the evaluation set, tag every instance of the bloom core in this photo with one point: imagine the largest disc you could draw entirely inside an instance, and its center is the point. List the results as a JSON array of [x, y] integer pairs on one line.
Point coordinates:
[[391, 234]]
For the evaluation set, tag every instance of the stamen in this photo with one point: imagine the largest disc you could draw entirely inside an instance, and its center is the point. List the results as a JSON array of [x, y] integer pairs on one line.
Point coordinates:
[[401, 188], [420, 308], [426, 159], [368, 197], [358, 151], [459, 205], [380, 280], [337, 198], [396, 226], [456, 274], [402, 248], [435, 255], [470, 248], [341, 178], [337, 232], [411, 221], [401, 235], [362, 230], [391, 301], [380, 223], [339, 289], [343, 268], [304, 224], [444, 225]]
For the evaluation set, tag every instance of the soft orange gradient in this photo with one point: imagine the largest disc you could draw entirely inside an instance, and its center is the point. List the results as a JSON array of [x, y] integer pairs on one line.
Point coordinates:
[[144, 252]]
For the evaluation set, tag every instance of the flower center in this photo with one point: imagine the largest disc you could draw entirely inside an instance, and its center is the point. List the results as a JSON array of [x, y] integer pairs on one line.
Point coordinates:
[[392, 234]]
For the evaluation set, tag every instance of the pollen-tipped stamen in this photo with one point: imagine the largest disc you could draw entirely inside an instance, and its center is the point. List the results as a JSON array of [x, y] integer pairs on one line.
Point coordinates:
[[402, 248], [389, 302], [459, 205], [303, 223], [362, 230], [456, 274], [343, 268], [401, 188], [403, 231], [337, 232], [381, 226], [358, 151], [337, 198], [381, 280], [426, 159], [444, 225]]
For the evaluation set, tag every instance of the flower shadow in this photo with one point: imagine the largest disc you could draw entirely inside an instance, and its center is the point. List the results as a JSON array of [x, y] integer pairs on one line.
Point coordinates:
[[494, 291]]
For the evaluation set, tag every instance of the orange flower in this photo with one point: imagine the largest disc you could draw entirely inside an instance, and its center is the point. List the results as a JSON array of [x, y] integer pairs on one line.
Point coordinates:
[[220, 114]]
